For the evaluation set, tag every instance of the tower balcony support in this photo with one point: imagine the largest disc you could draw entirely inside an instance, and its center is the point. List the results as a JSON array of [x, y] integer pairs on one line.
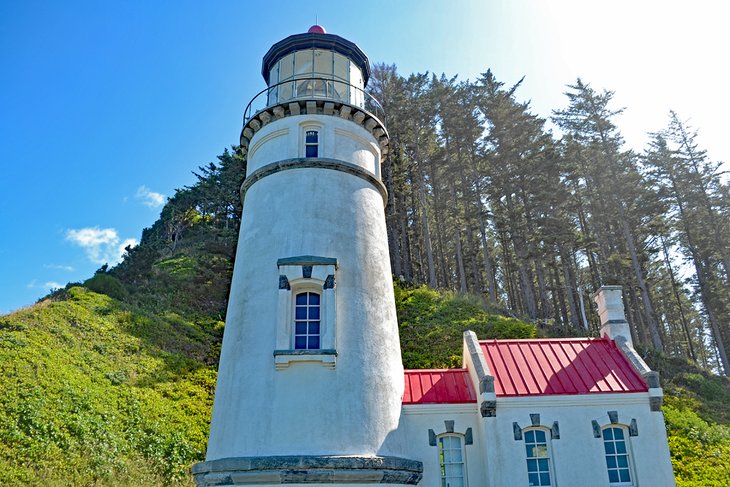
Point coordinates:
[[314, 96]]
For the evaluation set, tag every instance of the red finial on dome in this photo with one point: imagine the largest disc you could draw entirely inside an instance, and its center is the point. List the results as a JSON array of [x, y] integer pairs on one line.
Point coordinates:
[[316, 29]]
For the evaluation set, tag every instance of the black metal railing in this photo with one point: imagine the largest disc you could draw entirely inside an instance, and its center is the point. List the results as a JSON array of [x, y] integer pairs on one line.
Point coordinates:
[[310, 88]]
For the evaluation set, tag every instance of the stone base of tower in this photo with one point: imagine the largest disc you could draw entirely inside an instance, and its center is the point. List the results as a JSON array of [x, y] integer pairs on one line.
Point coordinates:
[[310, 471]]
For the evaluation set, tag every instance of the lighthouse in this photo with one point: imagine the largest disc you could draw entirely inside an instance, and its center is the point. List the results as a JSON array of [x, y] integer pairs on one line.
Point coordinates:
[[310, 380], [311, 388]]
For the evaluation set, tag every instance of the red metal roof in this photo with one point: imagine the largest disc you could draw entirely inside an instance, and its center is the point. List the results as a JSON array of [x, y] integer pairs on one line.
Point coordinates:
[[438, 386], [559, 366]]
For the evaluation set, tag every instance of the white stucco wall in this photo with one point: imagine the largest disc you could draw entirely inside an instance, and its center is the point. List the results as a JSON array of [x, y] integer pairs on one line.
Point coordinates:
[[338, 139], [578, 457], [496, 459], [354, 408], [306, 408], [413, 435]]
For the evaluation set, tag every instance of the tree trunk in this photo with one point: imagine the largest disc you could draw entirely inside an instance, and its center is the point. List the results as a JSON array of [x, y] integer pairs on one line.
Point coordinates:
[[488, 268], [705, 292], [426, 235], [391, 219], [680, 308], [571, 286], [654, 333]]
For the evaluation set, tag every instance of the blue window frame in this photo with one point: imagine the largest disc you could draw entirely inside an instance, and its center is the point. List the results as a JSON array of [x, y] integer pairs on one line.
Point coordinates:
[[538, 458], [307, 321], [311, 144], [617, 456]]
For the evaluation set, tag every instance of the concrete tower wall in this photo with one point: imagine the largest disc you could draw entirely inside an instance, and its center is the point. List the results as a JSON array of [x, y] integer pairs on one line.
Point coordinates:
[[303, 407]]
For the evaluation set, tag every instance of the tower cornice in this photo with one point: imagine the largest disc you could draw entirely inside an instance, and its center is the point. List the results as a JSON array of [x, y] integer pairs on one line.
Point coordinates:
[[313, 163], [335, 108]]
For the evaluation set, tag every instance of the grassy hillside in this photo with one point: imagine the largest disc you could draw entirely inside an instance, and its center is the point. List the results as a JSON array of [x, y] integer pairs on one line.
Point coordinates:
[[432, 324], [96, 392], [697, 413], [102, 392]]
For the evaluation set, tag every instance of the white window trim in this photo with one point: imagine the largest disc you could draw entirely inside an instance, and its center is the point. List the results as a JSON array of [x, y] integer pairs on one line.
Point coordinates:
[[306, 290], [462, 444], [629, 452], [285, 354], [304, 127], [548, 443]]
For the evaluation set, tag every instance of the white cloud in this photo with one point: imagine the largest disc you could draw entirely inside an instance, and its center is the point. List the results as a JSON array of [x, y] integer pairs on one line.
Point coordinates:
[[102, 245], [149, 198], [47, 286], [131, 242], [60, 267]]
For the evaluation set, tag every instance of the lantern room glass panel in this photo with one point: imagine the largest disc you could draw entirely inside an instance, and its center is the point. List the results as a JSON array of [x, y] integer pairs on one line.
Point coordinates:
[[341, 67], [323, 63], [303, 62], [356, 95], [316, 73], [286, 71], [273, 80], [341, 88]]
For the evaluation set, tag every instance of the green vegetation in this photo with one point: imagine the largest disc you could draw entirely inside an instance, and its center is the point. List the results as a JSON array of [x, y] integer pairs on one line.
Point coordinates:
[[700, 449], [101, 392], [697, 413], [96, 392], [110, 382], [432, 324]]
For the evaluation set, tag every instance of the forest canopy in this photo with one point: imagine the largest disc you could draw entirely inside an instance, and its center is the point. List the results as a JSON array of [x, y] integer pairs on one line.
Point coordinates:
[[485, 199]]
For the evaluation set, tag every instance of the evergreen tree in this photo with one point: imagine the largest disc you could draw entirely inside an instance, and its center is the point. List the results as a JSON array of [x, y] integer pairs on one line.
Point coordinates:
[[619, 204]]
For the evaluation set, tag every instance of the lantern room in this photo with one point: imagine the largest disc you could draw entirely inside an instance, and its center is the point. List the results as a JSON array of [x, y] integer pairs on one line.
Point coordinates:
[[315, 65]]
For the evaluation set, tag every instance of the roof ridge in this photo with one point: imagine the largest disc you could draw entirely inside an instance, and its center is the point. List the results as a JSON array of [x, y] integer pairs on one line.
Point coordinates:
[[545, 340], [458, 369]]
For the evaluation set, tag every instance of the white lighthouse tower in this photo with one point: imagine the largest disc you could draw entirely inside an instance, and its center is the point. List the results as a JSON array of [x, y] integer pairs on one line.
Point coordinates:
[[310, 380]]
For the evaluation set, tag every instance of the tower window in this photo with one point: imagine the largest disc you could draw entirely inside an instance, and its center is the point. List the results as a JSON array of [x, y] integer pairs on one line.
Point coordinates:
[[617, 456], [305, 325], [451, 458], [538, 457], [307, 321], [311, 143]]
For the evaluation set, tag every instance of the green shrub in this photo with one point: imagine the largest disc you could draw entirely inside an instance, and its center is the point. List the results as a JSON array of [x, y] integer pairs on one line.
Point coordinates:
[[432, 324], [700, 450], [105, 284]]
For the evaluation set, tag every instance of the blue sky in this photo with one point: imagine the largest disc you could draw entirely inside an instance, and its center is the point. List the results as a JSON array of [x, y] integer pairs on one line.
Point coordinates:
[[107, 107]]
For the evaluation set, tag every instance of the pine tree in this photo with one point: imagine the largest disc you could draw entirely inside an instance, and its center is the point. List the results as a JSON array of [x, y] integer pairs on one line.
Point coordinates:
[[614, 189]]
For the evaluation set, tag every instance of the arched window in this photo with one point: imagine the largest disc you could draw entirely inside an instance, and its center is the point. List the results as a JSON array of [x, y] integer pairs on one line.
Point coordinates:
[[311, 143], [451, 459], [618, 460], [307, 321], [538, 457]]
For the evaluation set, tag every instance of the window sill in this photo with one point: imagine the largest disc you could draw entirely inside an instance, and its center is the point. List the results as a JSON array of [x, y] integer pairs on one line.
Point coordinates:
[[284, 358]]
